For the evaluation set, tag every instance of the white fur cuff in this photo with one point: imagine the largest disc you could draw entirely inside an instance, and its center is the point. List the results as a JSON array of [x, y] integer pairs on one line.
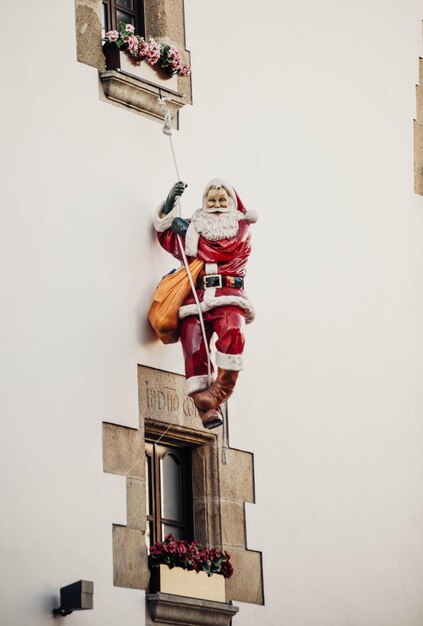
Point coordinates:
[[233, 362], [196, 383], [213, 301], [162, 223]]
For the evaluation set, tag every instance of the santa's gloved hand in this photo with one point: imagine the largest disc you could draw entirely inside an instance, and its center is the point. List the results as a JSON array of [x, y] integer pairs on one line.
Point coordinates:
[[179, 226], [176, 191]]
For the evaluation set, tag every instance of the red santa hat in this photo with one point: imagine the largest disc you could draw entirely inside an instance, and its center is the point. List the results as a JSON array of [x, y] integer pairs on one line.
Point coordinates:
[[216, 183]]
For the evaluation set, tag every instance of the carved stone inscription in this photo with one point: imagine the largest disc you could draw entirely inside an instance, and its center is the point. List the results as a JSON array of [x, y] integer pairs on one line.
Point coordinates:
[[162, 398]]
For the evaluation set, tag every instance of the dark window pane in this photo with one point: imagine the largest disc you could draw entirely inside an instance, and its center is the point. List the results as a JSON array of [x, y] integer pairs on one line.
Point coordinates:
[[171, 475], [176, 531], [126, 4], [124, 17], [104, 24], [149, 485]]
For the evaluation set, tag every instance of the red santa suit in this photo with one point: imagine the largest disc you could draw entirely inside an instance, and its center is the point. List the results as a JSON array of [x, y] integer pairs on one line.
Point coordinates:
[[224, 303]]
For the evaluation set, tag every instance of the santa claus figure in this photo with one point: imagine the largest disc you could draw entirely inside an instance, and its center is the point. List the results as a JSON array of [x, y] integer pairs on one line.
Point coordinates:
[[218, 234]]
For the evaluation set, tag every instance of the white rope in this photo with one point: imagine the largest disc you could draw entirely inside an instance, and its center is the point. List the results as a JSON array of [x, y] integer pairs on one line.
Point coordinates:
[[200, 313], [167, 130]]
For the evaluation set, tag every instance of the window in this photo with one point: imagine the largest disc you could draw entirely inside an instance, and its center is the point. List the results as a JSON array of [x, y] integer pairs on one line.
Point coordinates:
[[169, 492], [139, 94], [129, 11]]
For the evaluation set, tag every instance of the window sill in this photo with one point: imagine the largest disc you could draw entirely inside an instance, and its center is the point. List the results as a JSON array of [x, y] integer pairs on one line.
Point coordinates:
[[164, 18], [141, 95], [164, 608], [138, 85]]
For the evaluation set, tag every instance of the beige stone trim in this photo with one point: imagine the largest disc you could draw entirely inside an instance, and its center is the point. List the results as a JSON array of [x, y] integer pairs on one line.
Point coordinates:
[[163, 18], [219, 491], [123, 451], [418, 135], [164, 608], [88, 33], [418, 157], [129, 558], [246, 585]]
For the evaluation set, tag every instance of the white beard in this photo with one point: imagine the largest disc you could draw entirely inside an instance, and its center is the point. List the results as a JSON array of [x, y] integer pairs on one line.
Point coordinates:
[[214, 227]]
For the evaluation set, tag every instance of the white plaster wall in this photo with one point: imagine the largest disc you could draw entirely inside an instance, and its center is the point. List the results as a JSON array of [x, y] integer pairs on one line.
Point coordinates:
[[307, 108]]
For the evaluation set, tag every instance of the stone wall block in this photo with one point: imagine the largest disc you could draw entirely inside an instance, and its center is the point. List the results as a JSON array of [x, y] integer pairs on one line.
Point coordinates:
[[233, 524], [88, 33], [130, 561], [162, 398], [205, 472], [136, 503], [237, 477], [246, 583], [123, 451], [207, 521], [418, 158], [166, 19], [419, 103]]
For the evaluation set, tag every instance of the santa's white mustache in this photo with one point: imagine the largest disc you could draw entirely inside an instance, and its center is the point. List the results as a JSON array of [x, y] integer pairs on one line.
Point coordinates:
[[218, 209]]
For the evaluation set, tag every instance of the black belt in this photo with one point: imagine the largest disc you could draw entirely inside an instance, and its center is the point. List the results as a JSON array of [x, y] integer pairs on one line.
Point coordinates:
[[220, 280]]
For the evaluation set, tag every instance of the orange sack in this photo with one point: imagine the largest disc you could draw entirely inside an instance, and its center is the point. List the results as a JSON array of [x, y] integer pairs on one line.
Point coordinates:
[[168, 297]]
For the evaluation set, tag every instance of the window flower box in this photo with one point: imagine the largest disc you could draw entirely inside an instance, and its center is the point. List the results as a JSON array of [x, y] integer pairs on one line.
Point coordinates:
[[157, 61], [189, 569], [117, 59], [188, 583]]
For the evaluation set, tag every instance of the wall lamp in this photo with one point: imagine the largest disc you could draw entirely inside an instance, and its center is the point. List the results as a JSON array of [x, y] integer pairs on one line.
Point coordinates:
[[75, 597]]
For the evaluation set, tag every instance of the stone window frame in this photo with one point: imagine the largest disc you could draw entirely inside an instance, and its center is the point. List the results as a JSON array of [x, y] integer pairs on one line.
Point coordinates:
[[163, 18], [220, 490], [136, 14]]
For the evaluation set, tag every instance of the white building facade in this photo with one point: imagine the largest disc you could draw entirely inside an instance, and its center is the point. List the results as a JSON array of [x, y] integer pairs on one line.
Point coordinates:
[[307, 109]]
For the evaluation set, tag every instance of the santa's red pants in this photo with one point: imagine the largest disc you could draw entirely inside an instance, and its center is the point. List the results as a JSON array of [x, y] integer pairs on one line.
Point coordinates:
[[228, 323]]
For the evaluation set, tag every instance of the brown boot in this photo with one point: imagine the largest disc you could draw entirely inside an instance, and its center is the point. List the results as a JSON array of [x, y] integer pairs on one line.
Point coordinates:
[[219, 391], [212, 418]]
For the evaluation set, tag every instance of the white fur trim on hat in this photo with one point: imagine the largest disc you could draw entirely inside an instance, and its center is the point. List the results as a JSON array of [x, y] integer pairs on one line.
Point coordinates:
[[211, 303], [215, 183], [233, 362], [196, 383]]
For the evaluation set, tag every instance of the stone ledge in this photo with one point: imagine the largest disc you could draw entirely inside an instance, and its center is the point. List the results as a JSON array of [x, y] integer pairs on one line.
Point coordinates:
[[140, 95], [418, 158], [164, 608]]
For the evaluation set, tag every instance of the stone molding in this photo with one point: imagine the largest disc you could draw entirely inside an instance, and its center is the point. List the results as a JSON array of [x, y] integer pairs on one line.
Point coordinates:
[[220, 490], [165, 608], [418, 134], [163, 18], [140, 95]]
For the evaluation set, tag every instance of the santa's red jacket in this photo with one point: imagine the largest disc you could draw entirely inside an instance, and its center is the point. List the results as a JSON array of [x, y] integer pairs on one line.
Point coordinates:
[[226, 256]]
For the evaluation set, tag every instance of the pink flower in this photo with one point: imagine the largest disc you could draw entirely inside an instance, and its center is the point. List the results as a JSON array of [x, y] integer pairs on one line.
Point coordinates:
[[184, 70], [173, 53], [153, 54], [129, 28], [143, 48], [132, 42], [112, 35]]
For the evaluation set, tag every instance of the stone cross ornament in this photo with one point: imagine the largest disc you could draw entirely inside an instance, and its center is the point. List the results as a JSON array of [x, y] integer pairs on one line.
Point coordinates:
[[219, 235]]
